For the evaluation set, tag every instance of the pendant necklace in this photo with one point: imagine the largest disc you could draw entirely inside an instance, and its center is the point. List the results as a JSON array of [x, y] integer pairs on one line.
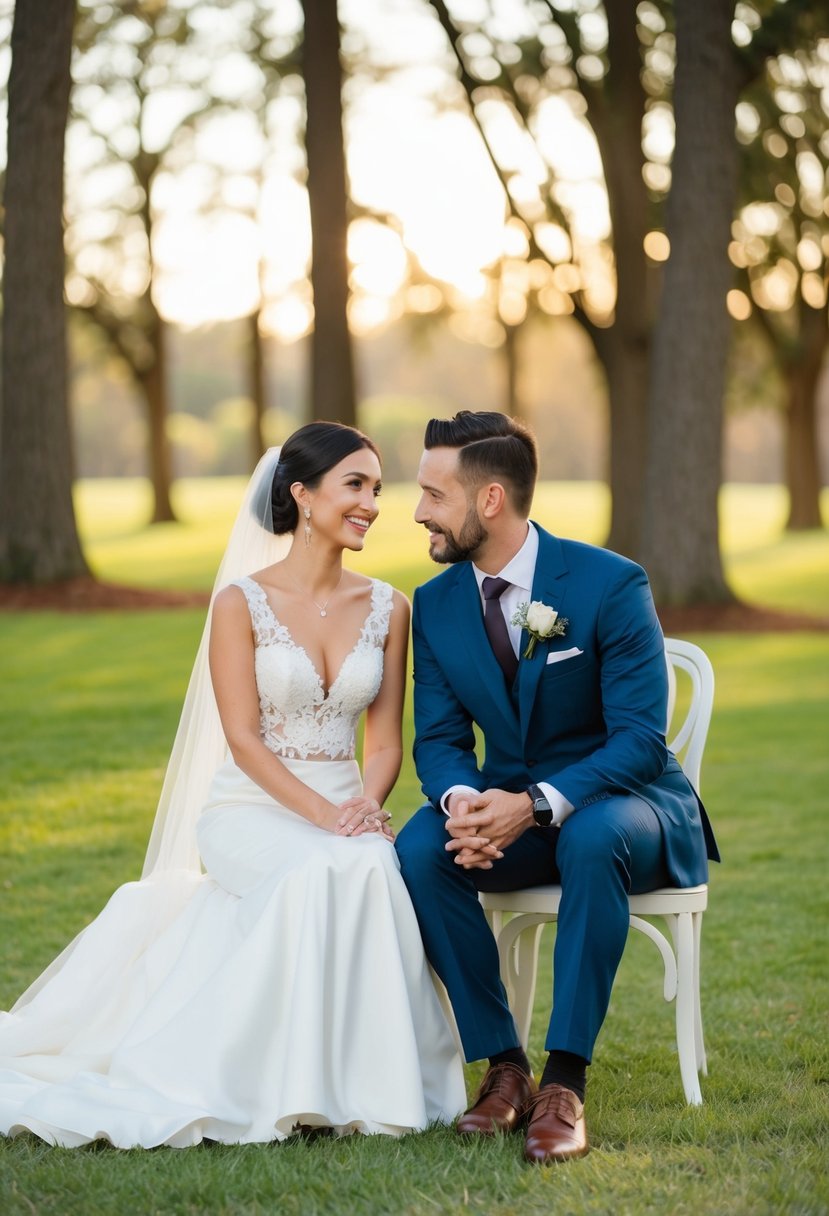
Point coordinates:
[[323, 608]]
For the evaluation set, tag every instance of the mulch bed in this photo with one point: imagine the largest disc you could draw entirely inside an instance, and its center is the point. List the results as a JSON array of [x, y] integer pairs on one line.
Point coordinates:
[[87, 595], [737, 618]]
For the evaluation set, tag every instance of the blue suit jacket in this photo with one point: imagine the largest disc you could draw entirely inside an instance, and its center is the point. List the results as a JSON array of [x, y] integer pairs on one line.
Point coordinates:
[[592, 725]]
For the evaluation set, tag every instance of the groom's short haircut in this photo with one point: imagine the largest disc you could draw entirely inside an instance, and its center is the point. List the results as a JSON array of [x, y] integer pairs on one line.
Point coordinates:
[[493, 447]]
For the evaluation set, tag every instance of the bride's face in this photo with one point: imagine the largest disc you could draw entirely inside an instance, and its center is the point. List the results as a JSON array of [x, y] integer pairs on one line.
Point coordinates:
[[344, 504]]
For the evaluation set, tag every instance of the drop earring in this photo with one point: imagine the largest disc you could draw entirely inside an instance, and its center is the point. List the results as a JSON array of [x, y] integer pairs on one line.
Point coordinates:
[[307, 527]]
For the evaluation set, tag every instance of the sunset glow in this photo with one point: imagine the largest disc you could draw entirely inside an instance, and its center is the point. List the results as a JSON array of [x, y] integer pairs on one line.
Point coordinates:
[[232, 227]]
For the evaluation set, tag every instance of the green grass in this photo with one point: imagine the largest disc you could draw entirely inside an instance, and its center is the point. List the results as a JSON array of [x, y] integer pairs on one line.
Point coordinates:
[[88, 709]]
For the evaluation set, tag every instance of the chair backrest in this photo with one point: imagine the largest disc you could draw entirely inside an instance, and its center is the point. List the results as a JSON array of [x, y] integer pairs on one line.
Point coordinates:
[[686, 738]]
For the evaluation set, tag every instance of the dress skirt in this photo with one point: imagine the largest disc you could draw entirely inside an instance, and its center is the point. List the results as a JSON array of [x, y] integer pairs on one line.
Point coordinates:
[[285, 987]]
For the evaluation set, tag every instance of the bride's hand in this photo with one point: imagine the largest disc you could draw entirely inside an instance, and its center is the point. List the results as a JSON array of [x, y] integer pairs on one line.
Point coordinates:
[[359, 815]]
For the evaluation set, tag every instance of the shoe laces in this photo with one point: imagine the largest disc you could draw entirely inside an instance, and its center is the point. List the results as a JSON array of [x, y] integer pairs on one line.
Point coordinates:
[[558, 1099], [497, 1077]]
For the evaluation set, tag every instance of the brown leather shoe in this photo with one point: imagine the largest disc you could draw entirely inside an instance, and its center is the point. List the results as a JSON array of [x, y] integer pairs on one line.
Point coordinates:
[[556, 1130], [505, 1091]]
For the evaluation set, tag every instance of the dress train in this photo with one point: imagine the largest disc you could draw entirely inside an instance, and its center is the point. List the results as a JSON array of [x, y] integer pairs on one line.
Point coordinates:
[[285, 986]]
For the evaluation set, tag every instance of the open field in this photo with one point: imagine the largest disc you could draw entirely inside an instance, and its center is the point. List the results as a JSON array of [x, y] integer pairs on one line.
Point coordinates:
[[88, 710], [790, 572]]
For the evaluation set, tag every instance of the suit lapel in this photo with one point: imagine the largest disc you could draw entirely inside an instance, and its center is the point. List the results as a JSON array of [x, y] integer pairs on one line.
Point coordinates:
[[480, 657], [550, 587]]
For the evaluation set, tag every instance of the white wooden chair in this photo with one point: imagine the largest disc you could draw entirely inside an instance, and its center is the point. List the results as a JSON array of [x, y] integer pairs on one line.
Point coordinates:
[[518, 937]]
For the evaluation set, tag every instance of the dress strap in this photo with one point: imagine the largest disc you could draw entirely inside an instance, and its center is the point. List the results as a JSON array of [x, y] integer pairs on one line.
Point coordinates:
[[261, 614], [376, 627]]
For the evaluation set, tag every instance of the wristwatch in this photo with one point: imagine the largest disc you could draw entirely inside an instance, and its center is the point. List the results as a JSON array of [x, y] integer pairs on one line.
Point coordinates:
[[542, 811]]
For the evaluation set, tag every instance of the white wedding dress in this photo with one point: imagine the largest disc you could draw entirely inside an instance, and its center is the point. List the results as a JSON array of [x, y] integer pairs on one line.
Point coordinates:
[[285, 986]]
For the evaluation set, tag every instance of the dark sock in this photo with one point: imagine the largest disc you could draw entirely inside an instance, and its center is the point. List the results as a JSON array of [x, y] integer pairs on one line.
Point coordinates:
[[515, 1055], [563, 1068]]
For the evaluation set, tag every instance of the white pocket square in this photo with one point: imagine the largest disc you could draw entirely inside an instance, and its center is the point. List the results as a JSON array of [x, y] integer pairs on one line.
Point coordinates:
[[558, 655]]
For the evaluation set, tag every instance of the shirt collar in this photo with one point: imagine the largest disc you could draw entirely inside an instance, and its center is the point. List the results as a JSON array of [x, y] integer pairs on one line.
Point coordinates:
[[520, 569]]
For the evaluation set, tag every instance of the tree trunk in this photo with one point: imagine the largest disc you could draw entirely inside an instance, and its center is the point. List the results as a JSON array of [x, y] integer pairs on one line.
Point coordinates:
[[256, 387], [332, 369], [616, 117], [626, 366], [514, 406], [681, 534], [38, 535], [154, 384], [153, 374], [802, 460]]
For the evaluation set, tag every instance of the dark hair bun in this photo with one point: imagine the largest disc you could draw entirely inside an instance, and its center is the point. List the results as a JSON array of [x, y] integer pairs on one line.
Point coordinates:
[[284, 511]]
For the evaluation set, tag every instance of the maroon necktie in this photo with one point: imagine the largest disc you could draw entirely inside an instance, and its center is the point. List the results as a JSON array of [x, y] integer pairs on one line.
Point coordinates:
[[496, 626]]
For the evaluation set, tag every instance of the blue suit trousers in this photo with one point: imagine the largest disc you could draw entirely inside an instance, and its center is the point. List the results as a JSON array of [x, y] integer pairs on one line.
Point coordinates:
[[602, 853]]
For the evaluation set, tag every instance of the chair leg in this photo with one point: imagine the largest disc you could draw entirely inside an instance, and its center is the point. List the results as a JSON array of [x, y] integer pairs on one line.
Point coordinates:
[[527, 970], [518, 944], [686, 1008], [699, 1041]]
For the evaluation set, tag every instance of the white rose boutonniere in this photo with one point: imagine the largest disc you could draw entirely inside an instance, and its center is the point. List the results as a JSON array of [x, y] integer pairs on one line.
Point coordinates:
[[540, 621]]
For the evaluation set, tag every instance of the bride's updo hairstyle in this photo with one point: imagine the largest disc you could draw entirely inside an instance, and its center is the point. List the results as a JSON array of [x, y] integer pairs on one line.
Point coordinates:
[[307, 456]]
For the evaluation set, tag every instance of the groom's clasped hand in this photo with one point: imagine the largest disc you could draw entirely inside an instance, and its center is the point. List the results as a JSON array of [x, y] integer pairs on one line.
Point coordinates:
[[482, 825]]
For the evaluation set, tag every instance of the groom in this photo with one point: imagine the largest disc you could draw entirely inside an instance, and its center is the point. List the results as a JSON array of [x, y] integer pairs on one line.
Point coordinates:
[[577, 785]]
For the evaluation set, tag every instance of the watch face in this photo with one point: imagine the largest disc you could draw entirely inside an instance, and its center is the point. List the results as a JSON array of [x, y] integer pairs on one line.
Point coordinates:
[[542, 811]]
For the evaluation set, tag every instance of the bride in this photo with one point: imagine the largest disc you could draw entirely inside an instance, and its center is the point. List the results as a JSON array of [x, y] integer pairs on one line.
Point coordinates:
[[266, 975]]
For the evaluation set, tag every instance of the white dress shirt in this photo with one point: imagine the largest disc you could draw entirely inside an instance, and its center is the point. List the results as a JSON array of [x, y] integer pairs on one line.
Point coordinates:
[[518, 572]]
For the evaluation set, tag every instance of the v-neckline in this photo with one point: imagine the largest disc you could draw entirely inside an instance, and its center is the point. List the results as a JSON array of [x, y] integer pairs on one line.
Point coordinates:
[[326, 693]]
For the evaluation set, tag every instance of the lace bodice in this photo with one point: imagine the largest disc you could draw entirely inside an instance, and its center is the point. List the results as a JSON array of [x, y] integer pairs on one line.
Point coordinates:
[[297, 717]]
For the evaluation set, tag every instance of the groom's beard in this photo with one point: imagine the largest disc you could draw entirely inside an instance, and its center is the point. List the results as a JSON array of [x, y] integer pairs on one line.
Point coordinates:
[[464, 547]]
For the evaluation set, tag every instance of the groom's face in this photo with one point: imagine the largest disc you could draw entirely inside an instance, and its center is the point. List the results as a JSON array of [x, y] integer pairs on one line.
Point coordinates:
[[456, 532]]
